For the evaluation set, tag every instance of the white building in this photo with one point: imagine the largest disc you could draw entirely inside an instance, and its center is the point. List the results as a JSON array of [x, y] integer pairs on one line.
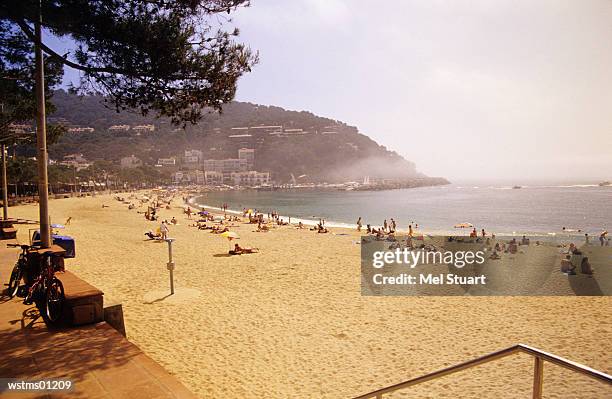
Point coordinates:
[[178, 177], [143, 128], [76, 161], [166, 161], [249, 155], [196, 176], [192, 158], [119, 128], [81, 129], [225, 166], [130, 162], [250, 178], [189, 177], [212, 178]]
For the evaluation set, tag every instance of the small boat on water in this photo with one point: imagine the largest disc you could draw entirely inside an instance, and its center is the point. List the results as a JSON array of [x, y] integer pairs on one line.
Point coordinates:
[[605, 184], [516, 187]]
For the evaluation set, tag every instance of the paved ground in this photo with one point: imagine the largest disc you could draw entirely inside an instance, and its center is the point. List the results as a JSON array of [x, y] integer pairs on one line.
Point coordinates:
[[99, 360]]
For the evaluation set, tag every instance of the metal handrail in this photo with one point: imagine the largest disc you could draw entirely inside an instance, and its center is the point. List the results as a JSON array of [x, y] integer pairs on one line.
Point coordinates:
[[539, 355]]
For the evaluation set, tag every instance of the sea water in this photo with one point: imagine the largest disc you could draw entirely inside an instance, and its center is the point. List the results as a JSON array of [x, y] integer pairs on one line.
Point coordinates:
[[498, 209]]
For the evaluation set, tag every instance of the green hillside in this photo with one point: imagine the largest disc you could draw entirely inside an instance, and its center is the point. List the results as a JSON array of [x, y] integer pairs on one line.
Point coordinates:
[[298, 143]]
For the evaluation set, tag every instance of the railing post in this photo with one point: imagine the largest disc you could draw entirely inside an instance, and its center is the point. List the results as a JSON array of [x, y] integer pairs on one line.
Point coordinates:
[[538, 377]]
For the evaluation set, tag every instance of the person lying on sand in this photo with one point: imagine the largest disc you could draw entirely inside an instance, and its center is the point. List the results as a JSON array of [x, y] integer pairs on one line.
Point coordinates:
[[262, 228], [151, 235], [238, 250]]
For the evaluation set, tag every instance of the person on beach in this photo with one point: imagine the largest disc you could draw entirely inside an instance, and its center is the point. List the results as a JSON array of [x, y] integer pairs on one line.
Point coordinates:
[[188, 213], [385, 225], [173, 220], [359, 224], [410, 232], [483, 232], [238, 250], [473, 234], [602, 238], [151, 235], [393, 225], [163, 228]]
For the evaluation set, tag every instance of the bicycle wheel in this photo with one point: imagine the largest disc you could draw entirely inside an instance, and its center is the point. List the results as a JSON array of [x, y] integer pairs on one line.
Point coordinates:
[[54, 302], [13, 285]]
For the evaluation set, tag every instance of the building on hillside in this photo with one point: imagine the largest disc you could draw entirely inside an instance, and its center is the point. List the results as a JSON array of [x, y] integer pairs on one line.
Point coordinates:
[[79, 129], [250, 178], [76, 161], [166, 162], [119, 128], [130, 162], [249, 155], [178, 177], [196, 177], [225, 166], [212, 178], [192, 159], [266, 129], [143, 128], [54, 120], [20, 128]]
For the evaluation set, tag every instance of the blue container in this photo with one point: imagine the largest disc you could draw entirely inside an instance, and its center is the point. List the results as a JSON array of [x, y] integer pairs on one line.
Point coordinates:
[[65, 242]]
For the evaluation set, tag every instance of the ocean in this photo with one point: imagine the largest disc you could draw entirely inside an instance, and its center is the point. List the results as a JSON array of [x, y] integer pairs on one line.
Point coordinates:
[[498, 209]]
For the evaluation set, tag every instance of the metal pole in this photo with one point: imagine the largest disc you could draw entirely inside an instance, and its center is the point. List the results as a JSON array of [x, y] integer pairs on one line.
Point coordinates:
[[538, 377], [41, 139], [170, 265], [4, 185]]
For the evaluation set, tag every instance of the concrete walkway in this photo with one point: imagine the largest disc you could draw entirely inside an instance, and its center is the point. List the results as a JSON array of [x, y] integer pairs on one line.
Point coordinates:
[[100, 361]]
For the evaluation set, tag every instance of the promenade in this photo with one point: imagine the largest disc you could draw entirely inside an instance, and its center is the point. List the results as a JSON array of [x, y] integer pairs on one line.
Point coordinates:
[[100, 362]]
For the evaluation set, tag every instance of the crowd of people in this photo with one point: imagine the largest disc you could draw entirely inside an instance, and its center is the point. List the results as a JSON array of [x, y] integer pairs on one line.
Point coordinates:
[[387, 231]]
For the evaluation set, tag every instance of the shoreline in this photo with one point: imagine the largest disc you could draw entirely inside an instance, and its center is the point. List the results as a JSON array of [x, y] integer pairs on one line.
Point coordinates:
[[545, 236]]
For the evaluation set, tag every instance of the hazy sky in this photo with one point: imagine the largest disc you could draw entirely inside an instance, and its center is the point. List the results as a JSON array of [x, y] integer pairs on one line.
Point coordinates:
[[466, 89]]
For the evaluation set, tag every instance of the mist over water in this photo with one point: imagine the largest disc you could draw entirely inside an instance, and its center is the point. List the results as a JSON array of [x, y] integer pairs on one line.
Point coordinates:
[[498, 209], [375, 167]]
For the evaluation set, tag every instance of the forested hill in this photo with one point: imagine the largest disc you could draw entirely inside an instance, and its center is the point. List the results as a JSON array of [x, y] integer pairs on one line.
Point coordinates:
[[285, 142]]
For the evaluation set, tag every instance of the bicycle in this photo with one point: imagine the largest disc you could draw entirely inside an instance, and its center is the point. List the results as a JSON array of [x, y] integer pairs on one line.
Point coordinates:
[[18, 269], [41, 285]]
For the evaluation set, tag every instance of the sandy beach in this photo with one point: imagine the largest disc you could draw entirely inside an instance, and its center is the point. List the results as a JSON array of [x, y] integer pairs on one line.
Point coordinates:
[[290, 322]]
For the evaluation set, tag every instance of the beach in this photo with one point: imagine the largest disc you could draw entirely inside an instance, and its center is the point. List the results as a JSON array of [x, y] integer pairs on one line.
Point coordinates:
[[290, 321]]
